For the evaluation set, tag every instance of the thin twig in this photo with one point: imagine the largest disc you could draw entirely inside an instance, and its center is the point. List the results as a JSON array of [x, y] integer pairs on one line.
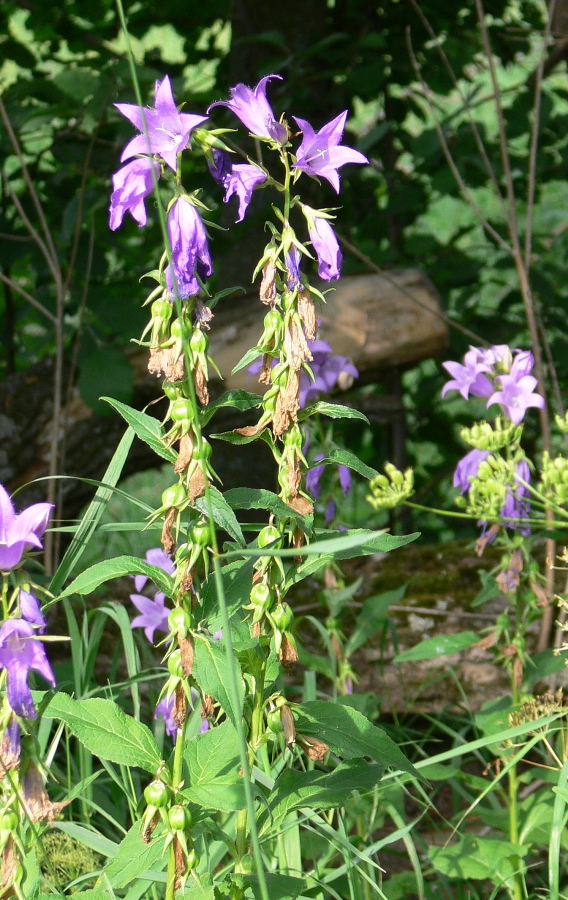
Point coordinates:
[[31, 300], [440, 315], [427, 94], [52, 266]]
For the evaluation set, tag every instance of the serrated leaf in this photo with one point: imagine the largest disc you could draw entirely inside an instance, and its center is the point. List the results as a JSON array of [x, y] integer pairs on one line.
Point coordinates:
[[91, 578], [259, 498], [211, 670], [223, 515], [333, 411], [135, 856], [241, 400], [443, 645], [318, 790], [346, 458], [247, 360], [349, 734], [147, 428], [237, 583], [213, 763], [106, 731]]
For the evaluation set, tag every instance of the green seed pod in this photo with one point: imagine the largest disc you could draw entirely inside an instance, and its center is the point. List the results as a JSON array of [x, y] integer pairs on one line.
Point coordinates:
[[174, 664], [156, 794], [192, 860], [274, 721], [161, 309], [181, 330], [269, 535], [199, 342], [200, 534], [179, 621], [174, 496], [182, 410], [9, 821], [179, 818], [261, 597], [171, 391], [282, 616], [246, 865]]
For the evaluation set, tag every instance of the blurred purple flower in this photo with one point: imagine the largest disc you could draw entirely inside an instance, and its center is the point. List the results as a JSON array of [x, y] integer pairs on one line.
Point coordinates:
[[293, 259], [517, 505], [329, 512], [313, 478], [329, 371], [220, 166], [190, 252], [319, 154], [164, 710], [325, 244], [159, 558], [153, 614], [467, 469], [516, 395], [345, 479], [30, 610], [469, 378], [19, 533], [132, 184], [168, 130], [253, 109], [20, 652]]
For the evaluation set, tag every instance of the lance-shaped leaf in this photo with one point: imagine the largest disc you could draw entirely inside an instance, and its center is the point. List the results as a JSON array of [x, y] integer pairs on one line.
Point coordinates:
[[94, 576]]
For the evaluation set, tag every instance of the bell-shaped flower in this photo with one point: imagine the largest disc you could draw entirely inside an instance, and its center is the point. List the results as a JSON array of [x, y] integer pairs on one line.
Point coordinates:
[[132, 184], [167, 130], [319, 154], [293, 259], [190, 251], [19, 533], [325, 244], [20, 651], [165, 710], [153, 614], [329, 371], [240, 179], [253, 109], [470, 378], [517, 504], [30, 610]]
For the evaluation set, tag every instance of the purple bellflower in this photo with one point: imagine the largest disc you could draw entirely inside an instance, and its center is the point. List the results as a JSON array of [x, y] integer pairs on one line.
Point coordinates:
[[19, 533], [132, 184], [153, 614], [190, 251], [517, 504], [319, 154], [293, 259], [314, 476], [469, 378], [20, 652], [240, 179], [168, 130], [467, 469], [325, 244], [31, 612], [159, 558], [516, 395], [165, 710], [253, 109], [329, 371]]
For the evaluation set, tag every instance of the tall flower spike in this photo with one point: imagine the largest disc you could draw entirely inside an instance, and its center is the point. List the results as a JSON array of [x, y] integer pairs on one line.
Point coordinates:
[[253, 109], [19, 653], [319, 154], [167, 129], [19, 533]]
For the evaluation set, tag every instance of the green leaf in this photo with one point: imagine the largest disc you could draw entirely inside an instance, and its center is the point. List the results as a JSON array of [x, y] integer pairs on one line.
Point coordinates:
[[213, 762], [202, 891], [333, 411], [223, 515], [341, 547], [135, 857], [258, 498], [247, 360], [211, 670], [280, 887], [541, 665], [147, 428], [318, 790], [106, 731], [478, 858], [372, 617], [241, 400], [349, 734], [237, 583], [91, 839], [346, 458], [91, 578], [93, 513], [443, 645]]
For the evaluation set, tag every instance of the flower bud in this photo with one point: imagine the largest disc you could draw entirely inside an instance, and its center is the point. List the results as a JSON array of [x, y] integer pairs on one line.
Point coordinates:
[[386, 493]]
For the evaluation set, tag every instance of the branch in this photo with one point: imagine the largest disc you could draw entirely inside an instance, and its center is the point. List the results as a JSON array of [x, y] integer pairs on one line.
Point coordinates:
[[35, 303]]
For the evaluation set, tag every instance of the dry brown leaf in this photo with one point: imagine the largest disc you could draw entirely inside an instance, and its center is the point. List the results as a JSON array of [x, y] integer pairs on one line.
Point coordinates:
[[268, 284], [187, 655], [163, 361], [307, 313], [180, 706], [185, 454]]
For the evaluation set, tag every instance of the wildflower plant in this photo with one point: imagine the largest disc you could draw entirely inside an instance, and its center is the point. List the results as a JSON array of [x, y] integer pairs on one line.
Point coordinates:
[[218, 614]]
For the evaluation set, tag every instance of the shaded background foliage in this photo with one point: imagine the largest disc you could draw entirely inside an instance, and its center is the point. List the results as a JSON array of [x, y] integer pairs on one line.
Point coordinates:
[[63, 67]]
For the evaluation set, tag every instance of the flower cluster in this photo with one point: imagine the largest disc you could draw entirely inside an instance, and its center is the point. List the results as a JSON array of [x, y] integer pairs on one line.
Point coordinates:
[[502, 376]]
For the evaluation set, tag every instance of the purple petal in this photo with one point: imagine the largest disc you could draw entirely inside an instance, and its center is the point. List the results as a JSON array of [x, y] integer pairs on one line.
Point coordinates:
[[30, 610], [7, 513]]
